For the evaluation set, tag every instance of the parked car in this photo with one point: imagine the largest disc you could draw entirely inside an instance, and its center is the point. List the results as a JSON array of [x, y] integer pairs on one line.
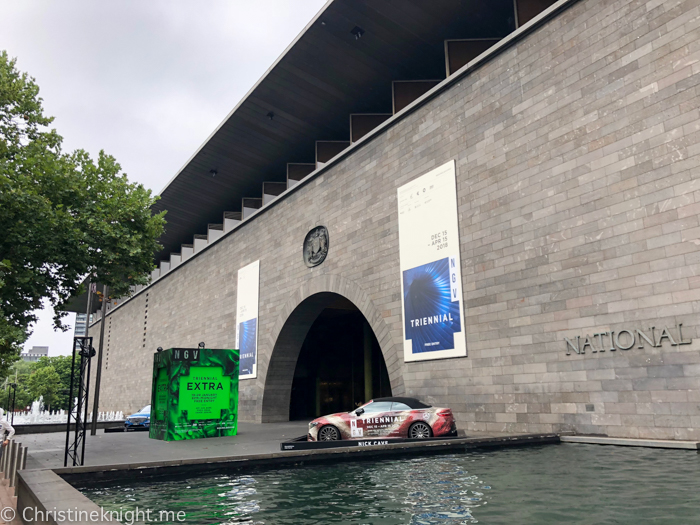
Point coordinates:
[[386, 417], [141, 419]]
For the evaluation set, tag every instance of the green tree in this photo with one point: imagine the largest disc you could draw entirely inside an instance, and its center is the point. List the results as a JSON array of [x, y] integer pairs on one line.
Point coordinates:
[[11, 338], [62, 365], [62, 216], [46, 383], [19, 375], [22, 396]]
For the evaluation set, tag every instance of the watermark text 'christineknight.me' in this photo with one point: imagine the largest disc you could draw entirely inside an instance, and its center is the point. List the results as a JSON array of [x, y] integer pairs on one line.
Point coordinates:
[[123, 516]]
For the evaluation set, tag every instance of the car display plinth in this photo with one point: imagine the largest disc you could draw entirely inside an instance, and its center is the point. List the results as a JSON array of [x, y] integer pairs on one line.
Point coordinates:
[[301, 443]]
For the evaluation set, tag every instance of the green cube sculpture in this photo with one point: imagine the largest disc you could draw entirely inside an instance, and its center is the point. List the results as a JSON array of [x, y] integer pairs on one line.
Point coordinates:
[[194, 393]]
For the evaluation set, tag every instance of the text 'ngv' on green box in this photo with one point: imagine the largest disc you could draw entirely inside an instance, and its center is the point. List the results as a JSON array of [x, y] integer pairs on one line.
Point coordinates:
[[194, 393]]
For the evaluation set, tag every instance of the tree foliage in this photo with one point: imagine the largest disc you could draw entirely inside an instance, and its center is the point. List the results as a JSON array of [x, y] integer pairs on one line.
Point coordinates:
[[19, 374], [33, 380], [62, 365], [62, 216], [46, 383]]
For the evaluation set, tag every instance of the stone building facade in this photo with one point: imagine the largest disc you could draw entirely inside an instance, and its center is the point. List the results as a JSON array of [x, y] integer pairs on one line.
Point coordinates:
[[577, 151]]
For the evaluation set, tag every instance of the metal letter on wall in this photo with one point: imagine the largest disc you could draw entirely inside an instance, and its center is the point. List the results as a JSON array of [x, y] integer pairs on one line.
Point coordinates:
[[247, 319], [431, 277]]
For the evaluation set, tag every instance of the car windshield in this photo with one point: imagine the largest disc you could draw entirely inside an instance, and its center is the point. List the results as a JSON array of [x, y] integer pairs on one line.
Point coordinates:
[[374, 406], [145, 410]]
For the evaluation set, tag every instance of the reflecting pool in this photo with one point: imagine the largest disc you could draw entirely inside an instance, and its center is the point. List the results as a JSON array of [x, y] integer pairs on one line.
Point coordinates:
[[550, 484]]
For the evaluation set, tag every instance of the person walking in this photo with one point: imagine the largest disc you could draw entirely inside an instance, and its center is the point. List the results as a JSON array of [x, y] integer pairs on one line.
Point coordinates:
[[5, 427]]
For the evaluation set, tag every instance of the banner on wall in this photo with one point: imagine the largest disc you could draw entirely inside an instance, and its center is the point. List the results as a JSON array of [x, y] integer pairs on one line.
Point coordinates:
[[431, 278], [194, 394], [247, 319]]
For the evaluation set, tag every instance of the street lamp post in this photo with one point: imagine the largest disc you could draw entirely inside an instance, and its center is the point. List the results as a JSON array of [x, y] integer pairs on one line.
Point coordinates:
[[14, 396], [98, 375]]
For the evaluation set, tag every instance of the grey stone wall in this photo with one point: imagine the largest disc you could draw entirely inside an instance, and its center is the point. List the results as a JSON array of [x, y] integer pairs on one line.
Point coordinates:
[[577, 153]]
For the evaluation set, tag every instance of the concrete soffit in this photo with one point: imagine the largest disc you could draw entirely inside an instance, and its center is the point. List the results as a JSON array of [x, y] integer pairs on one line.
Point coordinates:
[[505, 43]]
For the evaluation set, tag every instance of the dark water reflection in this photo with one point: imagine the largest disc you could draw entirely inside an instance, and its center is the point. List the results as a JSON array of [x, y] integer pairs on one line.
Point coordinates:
[[554, 484]]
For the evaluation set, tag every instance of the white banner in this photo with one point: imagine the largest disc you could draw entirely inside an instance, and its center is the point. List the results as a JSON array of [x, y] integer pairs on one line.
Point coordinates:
[[247, 319], [431, 277]]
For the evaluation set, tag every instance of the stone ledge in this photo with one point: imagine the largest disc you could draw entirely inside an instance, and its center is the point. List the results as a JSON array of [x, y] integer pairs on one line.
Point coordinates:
[[625, 442], [45, 491], [45, 428]]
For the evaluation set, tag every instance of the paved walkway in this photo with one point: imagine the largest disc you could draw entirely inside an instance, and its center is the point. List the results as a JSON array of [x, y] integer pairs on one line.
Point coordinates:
[[8, 499], [47, 450]]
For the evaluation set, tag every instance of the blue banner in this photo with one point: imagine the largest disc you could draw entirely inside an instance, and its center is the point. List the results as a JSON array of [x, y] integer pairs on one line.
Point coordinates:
[[247, 341], [431, 312]]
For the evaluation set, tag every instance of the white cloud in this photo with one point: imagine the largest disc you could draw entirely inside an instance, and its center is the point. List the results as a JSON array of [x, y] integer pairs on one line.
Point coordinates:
[[145, 81], [59, 343]]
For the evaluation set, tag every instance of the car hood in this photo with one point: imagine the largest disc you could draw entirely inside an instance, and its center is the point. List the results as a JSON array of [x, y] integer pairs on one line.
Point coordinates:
[[140, 414]]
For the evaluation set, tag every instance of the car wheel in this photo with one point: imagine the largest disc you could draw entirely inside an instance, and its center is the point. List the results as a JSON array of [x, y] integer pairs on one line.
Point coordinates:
[[328, 433], [419, 430]]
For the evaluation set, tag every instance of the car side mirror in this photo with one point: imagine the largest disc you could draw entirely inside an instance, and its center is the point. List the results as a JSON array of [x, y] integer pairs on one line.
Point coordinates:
[[359, 411]]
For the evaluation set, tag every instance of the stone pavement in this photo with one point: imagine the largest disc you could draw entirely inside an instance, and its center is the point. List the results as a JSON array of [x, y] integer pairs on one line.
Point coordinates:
[[7, 499], [47, 450]]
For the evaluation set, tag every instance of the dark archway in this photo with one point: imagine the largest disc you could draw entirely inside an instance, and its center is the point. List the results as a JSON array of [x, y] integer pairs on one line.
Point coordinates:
[[294, 323], [340, 365]]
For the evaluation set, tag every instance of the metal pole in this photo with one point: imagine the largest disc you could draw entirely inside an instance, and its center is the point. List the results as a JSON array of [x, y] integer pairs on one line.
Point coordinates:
[[14, 397], [15, 465], [98, 374], [89, 307], [13, 455], [23, 463], [87, 396], [70, 406], [80, 397], [6, 458], [79, 407]]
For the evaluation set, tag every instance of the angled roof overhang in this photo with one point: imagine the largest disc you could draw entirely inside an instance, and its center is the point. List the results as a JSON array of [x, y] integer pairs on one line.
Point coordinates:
[[324, 75]]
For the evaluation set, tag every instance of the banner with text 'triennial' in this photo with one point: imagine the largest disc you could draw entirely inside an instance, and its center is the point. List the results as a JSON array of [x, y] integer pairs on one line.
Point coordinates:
[[431, 277], [247, 319]]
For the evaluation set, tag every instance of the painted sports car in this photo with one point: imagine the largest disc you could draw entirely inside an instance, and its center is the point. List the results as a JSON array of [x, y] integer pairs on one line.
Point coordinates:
[[387, 417]]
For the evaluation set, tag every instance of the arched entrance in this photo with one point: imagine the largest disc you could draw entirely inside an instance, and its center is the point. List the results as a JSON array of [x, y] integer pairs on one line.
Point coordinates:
[[323, 302], [340, 365]]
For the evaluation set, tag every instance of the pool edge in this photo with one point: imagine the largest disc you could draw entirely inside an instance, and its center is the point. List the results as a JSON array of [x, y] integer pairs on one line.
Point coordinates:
[[629, 442], [51, 490]]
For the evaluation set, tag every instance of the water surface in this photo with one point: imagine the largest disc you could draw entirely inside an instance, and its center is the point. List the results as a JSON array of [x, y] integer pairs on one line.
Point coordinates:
[[550, 484]]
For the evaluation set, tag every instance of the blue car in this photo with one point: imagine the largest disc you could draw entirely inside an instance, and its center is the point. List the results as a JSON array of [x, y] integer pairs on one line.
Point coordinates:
[[139, 420]]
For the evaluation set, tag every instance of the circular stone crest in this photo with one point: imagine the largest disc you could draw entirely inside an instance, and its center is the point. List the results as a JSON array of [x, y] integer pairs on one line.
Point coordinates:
[[315, 246]]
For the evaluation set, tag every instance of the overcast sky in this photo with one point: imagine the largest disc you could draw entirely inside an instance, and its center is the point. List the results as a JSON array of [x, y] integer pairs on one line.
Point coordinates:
[[147, 81]]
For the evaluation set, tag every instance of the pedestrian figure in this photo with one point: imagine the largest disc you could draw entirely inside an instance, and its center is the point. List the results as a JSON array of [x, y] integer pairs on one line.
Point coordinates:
[[5, 427]]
